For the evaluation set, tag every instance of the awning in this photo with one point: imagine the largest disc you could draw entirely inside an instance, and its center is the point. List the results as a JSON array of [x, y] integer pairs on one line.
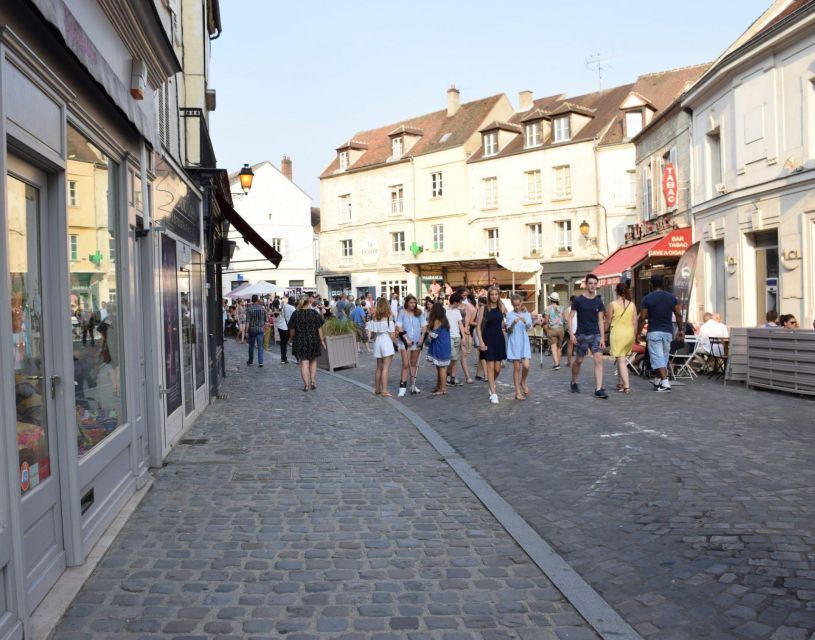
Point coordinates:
[[673, 245], [610, 269], [249, 234], [519, 265]]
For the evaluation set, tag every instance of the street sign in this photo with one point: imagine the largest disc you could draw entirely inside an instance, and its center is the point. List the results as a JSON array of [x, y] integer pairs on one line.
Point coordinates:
[[669, 187]]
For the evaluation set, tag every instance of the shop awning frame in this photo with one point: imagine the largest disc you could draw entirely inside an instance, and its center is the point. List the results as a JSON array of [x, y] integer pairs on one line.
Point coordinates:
[[610, 270], [249, 234]]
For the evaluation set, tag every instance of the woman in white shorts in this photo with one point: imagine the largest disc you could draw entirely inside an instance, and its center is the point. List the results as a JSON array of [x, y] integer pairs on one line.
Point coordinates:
[[382, 330]]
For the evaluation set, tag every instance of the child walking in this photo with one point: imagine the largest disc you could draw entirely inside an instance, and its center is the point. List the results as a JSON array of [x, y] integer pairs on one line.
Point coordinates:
[[440, 345], [519, 322], [383, 331]]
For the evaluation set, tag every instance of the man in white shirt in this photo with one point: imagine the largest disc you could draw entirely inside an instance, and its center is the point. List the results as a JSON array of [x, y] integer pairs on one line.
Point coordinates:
[[286, 309], [711, 328], [457, 334], [394, 305]]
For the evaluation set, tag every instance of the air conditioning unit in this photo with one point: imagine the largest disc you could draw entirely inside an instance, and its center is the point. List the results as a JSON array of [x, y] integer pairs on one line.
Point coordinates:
[[721, 187]]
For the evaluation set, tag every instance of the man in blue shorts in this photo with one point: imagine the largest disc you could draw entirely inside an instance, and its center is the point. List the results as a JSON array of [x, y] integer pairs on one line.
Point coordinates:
[[657, 308], [590, 335]]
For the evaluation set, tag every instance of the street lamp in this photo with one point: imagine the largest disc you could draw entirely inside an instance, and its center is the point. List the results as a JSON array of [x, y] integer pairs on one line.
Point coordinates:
[[246, 176], [584, 229]]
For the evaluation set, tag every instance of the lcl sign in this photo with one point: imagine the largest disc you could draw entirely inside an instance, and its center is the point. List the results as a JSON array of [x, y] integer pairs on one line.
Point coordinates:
[[669, 185]]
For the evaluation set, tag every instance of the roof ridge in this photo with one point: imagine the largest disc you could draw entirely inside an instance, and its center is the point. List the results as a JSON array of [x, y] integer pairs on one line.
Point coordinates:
[[674, 70]]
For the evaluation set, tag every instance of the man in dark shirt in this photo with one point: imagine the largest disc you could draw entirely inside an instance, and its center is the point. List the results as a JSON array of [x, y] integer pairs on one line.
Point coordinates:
[[590, 334], [657, 308], [256, 319]]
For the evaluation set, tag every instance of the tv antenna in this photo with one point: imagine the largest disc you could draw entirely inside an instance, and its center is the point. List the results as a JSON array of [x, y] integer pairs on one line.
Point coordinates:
[[600, 64]]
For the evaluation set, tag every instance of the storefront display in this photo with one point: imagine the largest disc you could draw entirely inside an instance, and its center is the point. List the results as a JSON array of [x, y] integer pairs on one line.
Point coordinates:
[[170, 324]]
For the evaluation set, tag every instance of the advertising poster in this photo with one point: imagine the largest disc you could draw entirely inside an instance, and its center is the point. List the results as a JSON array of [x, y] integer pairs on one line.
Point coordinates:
[[169, 320], [683, 280]]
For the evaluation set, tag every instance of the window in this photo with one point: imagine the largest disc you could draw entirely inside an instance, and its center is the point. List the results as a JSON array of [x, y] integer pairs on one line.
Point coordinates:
[[562, 129], [534, 234], [633, 123], [396, 148], [490, 144], [347, 247], [344, 208], [343, 160], [436, 184], [438, 237], [533, 135], [714, 162], [492, 242], [72, 202], [397, 199], [647, 193], [112, 250], [632, 188], [563, 236], [296, 283], [398, 242], [563, 181], [277, 244], [388, 287], [534, 188], [74, 247], [490, 188]]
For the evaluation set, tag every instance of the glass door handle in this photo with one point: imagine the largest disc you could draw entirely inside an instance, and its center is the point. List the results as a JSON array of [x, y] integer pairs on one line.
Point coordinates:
[[34, 377]]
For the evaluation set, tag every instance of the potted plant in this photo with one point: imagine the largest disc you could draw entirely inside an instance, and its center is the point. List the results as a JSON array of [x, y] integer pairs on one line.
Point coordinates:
[[340, 344]]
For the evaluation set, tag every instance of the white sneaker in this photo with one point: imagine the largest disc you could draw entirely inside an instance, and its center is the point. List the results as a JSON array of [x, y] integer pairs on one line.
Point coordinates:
[[415, 389], [494, 398], [402, 392]]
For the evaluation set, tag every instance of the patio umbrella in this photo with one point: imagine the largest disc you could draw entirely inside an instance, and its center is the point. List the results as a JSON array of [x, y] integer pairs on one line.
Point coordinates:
[[261, 289]]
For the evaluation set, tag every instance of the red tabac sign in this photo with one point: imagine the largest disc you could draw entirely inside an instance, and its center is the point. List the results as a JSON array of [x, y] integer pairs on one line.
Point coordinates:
[[669, 185], [672, 245]]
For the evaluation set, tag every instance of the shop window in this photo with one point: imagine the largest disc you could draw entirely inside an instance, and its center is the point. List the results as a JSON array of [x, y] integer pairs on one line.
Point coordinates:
[[96, 322]]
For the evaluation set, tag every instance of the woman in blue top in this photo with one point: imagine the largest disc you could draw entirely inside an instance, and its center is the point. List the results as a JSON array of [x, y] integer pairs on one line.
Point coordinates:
[[440, 350], [519, 322], [410, 329]]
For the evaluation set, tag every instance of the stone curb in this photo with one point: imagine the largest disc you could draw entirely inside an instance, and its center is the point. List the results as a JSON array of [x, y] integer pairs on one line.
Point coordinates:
[[594, 609]]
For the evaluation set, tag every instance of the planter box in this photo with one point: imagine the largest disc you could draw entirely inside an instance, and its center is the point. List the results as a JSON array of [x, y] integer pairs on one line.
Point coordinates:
[[339, 352], [782, 360]]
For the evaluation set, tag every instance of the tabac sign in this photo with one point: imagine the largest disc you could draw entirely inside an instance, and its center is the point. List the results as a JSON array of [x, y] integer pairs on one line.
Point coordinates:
[[672, 245], [669, 185]]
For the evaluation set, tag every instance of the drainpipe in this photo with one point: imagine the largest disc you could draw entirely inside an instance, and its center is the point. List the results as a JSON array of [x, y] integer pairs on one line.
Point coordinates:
[[602, 223]]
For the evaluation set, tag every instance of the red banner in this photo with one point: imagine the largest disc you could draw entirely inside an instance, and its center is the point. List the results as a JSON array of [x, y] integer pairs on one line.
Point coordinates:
[[669, 185]]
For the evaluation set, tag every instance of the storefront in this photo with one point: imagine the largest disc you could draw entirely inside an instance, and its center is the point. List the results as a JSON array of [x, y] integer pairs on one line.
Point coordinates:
[[338, 284], [565, 278]]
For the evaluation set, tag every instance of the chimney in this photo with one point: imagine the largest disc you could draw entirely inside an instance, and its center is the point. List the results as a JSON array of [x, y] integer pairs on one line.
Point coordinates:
[[285, 167], [453, 101], [524, 100]]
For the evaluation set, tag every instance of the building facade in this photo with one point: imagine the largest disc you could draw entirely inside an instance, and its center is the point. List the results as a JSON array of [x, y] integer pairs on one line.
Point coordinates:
[[280, 212], [753, 154]]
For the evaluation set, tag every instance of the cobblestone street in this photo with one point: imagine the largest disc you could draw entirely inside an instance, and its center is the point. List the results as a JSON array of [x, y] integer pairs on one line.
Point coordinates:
[[692, 513], [318, 515]]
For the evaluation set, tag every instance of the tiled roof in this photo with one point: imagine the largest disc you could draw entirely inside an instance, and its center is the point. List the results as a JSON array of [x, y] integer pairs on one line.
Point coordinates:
[[499, 124], [536, 114], [571, 107], [411, 131], [353, 144], [440, 132]]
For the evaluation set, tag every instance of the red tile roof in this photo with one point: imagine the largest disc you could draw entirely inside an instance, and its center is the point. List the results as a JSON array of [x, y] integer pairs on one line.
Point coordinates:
[[440, 132], [498, 124]]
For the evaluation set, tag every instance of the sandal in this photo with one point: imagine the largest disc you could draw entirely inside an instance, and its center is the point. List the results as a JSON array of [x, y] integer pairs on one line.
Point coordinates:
[[526, 389], [385, 394], [313, 386], [520, 397], [470, 381], [439, 393], [305, 387], [625, 390]]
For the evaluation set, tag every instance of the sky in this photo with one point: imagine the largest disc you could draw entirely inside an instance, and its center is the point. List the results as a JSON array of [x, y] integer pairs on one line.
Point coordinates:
[[301, 77]]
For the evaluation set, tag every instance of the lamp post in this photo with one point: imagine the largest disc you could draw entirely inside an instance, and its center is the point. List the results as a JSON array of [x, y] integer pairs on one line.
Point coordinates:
[[246, 176]]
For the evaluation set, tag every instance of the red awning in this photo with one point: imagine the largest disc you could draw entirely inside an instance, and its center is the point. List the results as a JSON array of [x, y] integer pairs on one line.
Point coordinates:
[[249, 234], [610, 269], [673, 245]]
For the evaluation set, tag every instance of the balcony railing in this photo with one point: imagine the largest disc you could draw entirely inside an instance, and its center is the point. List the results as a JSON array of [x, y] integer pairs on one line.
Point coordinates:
[[198, 151]]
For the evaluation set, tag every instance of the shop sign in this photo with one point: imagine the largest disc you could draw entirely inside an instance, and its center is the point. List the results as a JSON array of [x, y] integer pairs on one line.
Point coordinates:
[[641, 230], [669, 188], [674, 245], [25, 476], [369, 251]]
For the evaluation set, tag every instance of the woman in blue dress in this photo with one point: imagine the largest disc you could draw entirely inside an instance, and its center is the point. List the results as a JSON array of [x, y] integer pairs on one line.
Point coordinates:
[[491, 341], [519, 322], [440, 350]]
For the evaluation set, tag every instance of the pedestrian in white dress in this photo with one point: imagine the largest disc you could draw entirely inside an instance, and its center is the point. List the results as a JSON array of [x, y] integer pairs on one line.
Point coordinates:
[[382, 330]]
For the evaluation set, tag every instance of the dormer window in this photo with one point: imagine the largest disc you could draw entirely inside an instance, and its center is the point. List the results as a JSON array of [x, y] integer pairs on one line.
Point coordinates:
[[633, 123], [397, 146], [562, 129], [491, 143], [533, 136], [343, 160]]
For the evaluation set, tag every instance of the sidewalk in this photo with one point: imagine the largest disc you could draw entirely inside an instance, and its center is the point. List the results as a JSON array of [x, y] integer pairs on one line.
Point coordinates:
[[315, 515]]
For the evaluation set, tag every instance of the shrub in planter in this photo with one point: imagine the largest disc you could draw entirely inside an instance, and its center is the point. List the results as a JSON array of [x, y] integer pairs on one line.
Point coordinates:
[[340, 344]]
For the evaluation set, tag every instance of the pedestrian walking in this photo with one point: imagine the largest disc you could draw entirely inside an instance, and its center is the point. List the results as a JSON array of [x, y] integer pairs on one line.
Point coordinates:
[[622, 317], [438, 330], [572, 330], [589, 336], [491, 337], [469, 309], [241, 321], [382, 330], [554, 324], [458, 336], [395, 305], [657, 309], [519, 351], [411, 325], [360, 318], [283, 319], [306, 335], [255, 324]]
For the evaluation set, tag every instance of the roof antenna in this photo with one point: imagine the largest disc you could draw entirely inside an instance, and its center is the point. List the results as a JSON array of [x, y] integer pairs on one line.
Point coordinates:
[[599, 63]]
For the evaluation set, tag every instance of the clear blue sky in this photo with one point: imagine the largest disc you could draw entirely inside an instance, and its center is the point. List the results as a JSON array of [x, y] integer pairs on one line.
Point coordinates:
[[301, 77]]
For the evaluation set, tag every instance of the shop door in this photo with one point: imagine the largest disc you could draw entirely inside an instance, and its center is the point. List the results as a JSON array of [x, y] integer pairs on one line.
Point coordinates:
[[187, 337], [33, 327], [171, 340]]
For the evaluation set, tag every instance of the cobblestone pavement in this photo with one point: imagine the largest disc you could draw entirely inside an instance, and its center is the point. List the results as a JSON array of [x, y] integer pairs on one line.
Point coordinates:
[[691, 513], [313, 515]]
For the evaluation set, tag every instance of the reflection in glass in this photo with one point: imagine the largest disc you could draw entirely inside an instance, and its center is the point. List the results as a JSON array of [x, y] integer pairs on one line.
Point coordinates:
[[198, 318], [186, 336], [26, 328], [95, 320]]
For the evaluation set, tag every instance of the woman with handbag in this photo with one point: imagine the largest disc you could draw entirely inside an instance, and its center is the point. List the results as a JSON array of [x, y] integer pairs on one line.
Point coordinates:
[[622, 316]]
